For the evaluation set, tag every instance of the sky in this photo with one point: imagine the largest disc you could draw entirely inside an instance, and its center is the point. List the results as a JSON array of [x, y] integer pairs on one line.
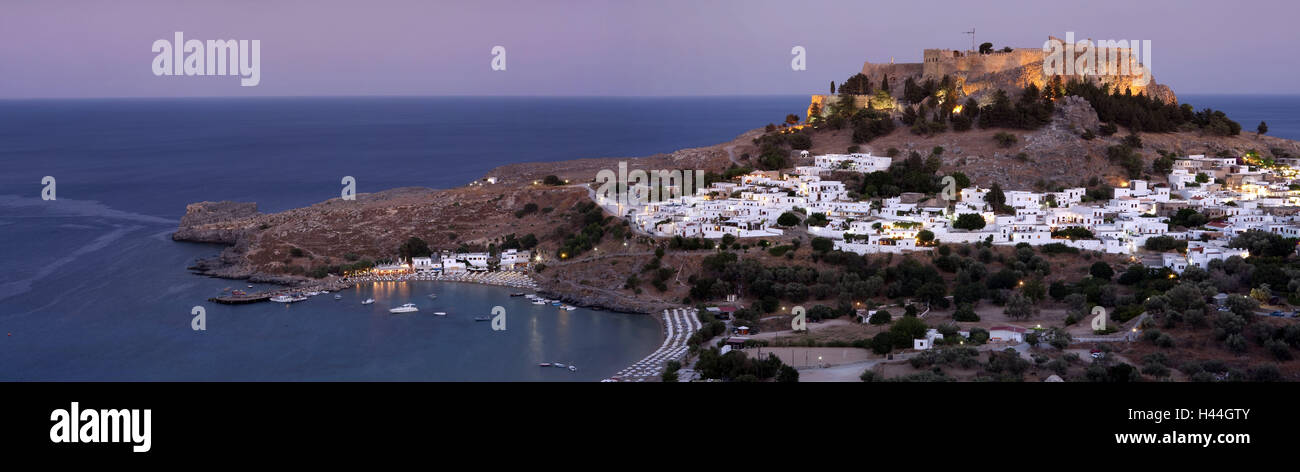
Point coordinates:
[[75, 48]]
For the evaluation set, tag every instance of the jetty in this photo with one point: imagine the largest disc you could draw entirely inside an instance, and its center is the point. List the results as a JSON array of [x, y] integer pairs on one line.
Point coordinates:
[[242, 299]]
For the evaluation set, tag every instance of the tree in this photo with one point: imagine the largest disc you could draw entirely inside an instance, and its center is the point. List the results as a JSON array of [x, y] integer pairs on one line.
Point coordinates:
[[996, 197], [1262, 128], [787, 374], [906, 329], [787, 219], [821, 244], [925, 236], [986, 48], [970, 221], [880, 317], [832, 87], [413, 247], [1020, 307], [965, 313], [1101, 270]]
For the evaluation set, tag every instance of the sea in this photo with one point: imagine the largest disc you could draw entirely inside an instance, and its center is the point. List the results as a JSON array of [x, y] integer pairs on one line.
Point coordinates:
[[92, 288]]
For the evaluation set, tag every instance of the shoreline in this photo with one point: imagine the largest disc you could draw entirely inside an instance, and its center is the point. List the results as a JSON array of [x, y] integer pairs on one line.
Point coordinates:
[[511, 279]]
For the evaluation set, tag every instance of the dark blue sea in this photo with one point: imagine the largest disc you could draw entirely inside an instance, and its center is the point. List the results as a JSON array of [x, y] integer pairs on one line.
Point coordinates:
[[93, 288]]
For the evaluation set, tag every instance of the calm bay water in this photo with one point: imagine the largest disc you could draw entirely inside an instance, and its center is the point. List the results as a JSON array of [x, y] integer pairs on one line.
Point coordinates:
[[93, 288]]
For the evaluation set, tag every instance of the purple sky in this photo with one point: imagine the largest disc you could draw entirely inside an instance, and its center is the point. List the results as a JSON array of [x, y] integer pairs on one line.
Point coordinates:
[[701, 47]]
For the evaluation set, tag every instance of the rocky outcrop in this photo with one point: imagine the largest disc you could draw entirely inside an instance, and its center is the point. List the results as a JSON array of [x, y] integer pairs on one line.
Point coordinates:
[[1075, 113], [215, 222]]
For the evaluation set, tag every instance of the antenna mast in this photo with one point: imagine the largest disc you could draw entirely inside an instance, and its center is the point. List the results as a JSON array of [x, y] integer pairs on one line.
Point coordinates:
[[972, 37]]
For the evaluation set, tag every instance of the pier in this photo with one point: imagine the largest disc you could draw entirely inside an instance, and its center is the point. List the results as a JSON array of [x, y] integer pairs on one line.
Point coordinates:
[[241, 299]]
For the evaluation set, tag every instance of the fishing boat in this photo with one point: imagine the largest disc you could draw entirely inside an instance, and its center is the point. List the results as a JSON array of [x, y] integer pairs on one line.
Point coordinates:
[[367, 301], [405, 308]]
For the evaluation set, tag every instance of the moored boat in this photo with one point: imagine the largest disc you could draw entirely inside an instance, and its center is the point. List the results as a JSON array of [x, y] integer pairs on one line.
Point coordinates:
[[367, 301], [405, 308]]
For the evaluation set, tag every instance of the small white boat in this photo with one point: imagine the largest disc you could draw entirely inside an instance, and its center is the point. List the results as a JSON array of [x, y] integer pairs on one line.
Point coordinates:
[[406, 308], [557, 364], [569, 307], [544, 364], [440, 313], [433, 296], [539, 302], [338, 297], [283, 299], [573, 368], [368, 301]]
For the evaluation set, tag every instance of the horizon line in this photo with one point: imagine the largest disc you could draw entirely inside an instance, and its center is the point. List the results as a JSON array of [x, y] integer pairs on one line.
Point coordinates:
[[207, 97]]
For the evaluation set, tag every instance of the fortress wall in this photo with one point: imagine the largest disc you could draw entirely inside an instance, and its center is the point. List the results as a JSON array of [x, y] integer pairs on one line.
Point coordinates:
[[895, 71]]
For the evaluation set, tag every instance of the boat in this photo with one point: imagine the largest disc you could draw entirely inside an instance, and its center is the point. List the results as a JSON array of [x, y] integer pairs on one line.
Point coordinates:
[[367, 301], [282, 299], [406, 308], [517, 294], [544, 364], [433, 295], [556, 303], [483, 318], [440, 313], [568, 307], [539, 302], [573, 368], [250, 286], [557, 364], [338, 297]]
